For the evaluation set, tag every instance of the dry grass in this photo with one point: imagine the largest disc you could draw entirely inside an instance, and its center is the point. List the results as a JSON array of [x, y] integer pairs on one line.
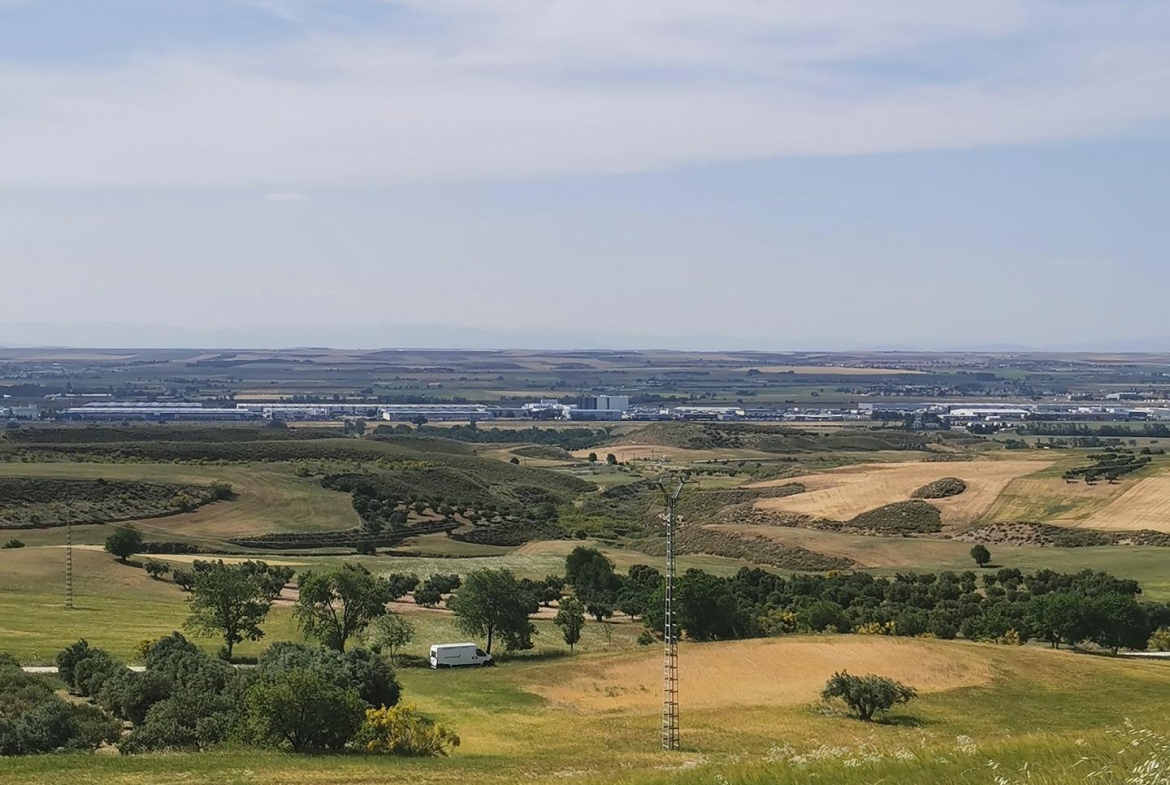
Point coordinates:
[[868, 551], [765, 672], [656, 452], [843, 493], [267, 498], [188, 558], [1143, 505], [1052, 500]]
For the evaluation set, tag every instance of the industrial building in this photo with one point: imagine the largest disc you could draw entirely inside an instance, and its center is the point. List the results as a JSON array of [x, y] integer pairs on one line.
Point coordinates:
[[604, 403], [452, 412], [155, 412], [20, 412]]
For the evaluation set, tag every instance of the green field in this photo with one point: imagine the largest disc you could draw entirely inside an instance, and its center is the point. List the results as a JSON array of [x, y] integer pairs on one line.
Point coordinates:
[[750, 708], [1035, 707]]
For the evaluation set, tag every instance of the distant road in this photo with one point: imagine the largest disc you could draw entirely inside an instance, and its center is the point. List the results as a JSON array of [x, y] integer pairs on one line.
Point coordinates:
[[53, 668]]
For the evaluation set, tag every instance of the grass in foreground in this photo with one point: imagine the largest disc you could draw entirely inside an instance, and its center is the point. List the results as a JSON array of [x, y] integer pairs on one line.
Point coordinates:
[[1046, 709]]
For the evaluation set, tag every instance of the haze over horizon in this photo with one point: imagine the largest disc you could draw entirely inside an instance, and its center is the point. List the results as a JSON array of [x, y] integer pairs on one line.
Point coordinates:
[[818, 174]]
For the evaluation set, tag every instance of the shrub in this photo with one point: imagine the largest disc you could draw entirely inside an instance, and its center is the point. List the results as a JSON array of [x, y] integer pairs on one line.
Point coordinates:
[[300, 709], [69, 657], [866, 695], [91, 674], [940, 489], [1159, 640], [401, 730], [221, 491], [53, 724], [130, 695], [360, 669], [11, 544], [912, 517]]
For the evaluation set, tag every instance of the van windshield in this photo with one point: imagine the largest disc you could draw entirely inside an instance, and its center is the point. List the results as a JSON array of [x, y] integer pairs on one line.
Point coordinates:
[[480, 653]]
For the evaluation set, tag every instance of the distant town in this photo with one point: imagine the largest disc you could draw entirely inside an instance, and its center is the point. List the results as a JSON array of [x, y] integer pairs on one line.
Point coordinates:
[[592, 408]]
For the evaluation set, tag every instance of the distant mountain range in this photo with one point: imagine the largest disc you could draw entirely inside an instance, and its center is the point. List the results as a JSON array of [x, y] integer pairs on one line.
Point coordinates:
[[102, 335]]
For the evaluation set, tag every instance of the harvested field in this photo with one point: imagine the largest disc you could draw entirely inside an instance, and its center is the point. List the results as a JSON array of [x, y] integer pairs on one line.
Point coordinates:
[[1051, 500], [842, 494], [1144, 505], [188, 558], [767, 672], [655, 452]]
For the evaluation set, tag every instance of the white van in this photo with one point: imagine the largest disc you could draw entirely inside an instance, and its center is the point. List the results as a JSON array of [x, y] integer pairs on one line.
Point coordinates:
[[454, 655]]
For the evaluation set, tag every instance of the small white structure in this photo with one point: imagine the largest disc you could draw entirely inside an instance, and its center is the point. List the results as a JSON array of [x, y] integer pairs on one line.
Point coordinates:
[[456, 655]]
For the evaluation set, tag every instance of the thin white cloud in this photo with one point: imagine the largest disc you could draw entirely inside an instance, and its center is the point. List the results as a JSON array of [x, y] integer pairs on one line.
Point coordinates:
[[538, 88]]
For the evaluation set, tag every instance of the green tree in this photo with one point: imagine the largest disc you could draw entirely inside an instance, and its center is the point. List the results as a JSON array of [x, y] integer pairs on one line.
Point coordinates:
[[611, 459], [592, 457], [820, 615], [302, 710], [336, 604], [867, 695], [591, 574], [1058, 617], [230, 602], [981, 555], [571, 619], [554, 587], [707, 608], [1116, 621], [124, 543], [156, 568], [492, 603], [184, 579], [390, 633]]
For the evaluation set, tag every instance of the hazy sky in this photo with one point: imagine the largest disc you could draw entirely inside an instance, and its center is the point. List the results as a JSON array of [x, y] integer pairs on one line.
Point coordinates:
[[798, 174]]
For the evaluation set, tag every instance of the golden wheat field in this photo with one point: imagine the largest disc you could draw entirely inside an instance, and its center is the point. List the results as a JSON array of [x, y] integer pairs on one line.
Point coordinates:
[[1145, 504], [761, 672], [841, 494]]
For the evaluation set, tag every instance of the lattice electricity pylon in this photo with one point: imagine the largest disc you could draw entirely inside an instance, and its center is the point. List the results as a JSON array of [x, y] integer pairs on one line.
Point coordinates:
[[69, 555], [670, 631]]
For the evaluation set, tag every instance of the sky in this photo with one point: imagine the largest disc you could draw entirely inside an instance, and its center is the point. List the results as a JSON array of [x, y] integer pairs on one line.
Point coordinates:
[[799, 175]]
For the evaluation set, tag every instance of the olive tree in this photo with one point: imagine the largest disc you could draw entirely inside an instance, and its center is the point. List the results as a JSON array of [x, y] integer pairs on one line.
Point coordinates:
[[867, 695]]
